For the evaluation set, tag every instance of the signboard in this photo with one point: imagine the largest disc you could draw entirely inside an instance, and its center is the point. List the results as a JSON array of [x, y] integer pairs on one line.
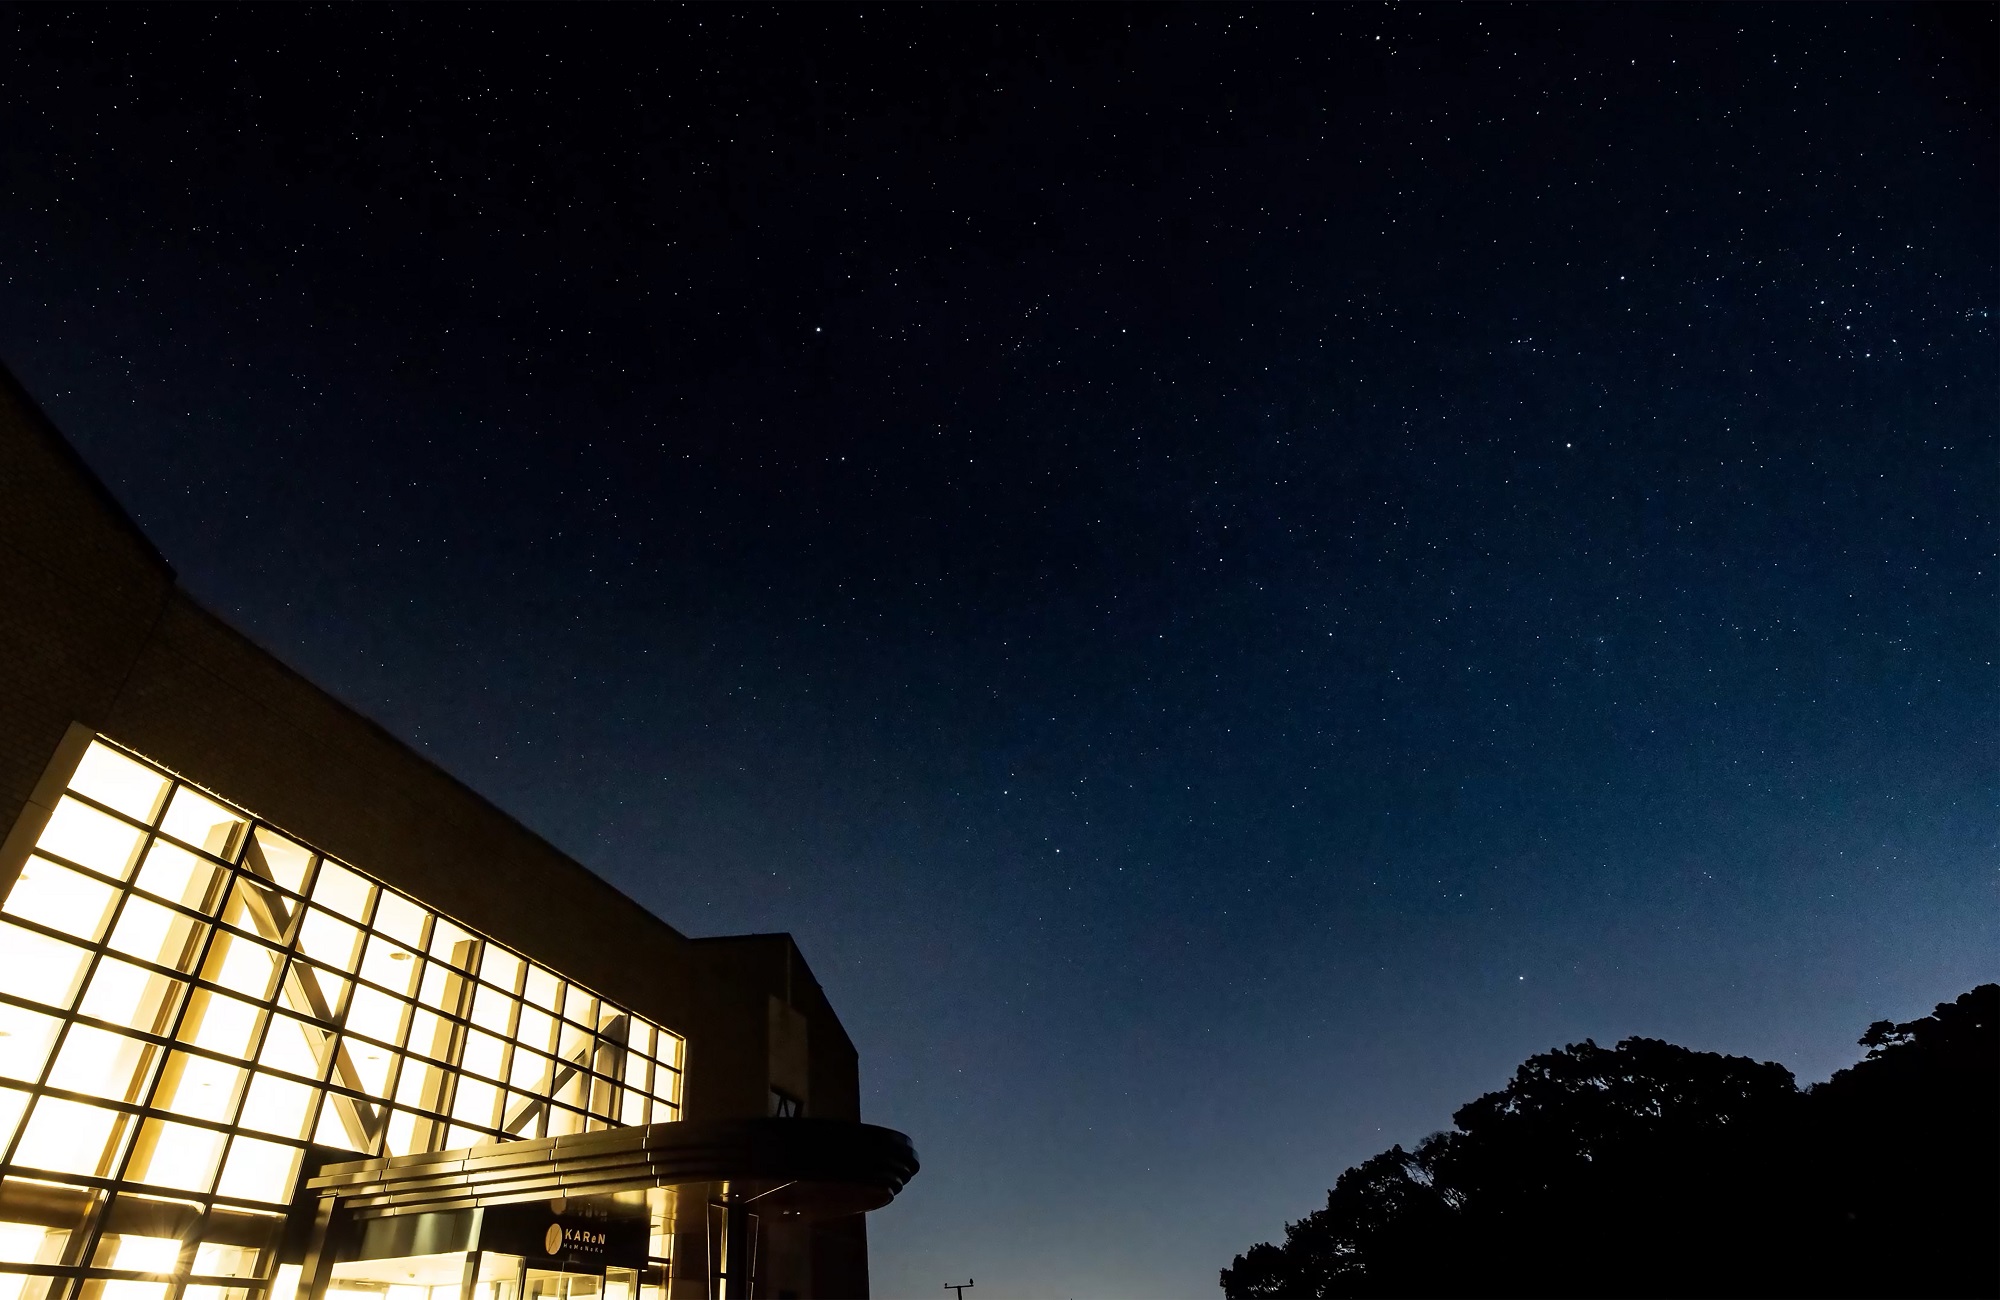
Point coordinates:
[[577, 1236]]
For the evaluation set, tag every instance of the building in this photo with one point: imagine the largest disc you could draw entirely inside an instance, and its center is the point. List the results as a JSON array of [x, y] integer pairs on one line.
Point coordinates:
[[287, 1013]]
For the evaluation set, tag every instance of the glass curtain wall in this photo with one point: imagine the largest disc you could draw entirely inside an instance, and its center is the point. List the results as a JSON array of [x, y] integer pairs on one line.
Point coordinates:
[[189, 1000]]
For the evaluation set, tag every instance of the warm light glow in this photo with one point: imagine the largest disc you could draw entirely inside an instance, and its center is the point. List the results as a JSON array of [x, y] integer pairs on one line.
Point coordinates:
[[90, 838], [118, 782], [22, 1243], [202, 823], [25, 1039], [197, 1087], [285, 1286], [307, 1015], [278, 1106], [172, 873], [147, 1254], [66, 1137], [258, 1170], [38, 968], [58, 898], [98, 1062], [176, 1155]]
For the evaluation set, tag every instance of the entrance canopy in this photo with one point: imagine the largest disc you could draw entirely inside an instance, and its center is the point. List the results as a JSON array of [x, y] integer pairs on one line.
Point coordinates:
[[808, 1168], [570, 1217]]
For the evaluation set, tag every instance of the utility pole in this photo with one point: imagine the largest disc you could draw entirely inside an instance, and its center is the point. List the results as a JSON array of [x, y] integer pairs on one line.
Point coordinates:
[[958, 1288]]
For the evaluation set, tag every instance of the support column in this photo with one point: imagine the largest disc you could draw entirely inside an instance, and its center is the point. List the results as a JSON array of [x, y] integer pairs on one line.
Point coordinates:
[[328, 1223]]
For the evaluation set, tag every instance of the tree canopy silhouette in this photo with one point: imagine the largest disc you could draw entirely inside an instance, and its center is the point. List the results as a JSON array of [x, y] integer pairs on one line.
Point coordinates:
[[1649, 1169]]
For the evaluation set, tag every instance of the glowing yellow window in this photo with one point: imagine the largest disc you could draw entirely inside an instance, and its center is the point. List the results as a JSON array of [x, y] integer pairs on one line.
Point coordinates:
[[237, 1243], [341, 890], [198, 1087], [145, 1254], [174, 1155], [347, 1124], [408, 1134], [500, 968], [262, 909], [326, 938], [537, 1029], [144, 1233], [443, 988], [128, 995], [391, 965], [421, 1086], [492, 1010], [278, 860], [431, 1035], [257, 1170], [295, 1046], [474, 1102], [69, 1137], [173, 873], [90, 838], [543, 989], [118, 1289], [242, 965], [277, 1106], [314, 991], [38, 968], [219, 1023], [196, 820], [365, 1067], [54, 896], [25, 1039], [37, 1219], [451, 944], [376, 1015], [100, 1063], [529, 1071], [400, 919], [13, 1105], [574, 1044], [117, 782], [154, 933], [519, 1114], [482, 1054]]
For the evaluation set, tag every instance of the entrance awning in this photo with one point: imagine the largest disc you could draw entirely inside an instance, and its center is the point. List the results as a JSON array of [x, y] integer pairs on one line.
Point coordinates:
[[809, 1168]]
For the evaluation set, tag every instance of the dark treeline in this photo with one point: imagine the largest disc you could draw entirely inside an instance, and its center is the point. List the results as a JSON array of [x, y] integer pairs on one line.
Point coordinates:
[[1650, 1170]]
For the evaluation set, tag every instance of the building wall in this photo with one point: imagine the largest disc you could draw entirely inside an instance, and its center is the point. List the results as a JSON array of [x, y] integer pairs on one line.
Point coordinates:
[[94, 631]]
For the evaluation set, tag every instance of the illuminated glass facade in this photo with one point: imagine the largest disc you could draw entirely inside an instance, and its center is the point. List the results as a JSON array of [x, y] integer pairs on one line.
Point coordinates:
[[190, 1002]]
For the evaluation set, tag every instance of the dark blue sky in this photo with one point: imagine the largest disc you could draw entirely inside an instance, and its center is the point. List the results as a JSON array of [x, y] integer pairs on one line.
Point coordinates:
[[1230, 573]]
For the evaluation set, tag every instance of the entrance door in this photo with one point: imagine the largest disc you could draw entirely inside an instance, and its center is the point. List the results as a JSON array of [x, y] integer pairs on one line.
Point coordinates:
[[556, 1284]]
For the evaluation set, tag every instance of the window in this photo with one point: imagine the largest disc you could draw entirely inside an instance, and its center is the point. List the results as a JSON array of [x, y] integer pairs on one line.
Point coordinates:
[[189, 997]]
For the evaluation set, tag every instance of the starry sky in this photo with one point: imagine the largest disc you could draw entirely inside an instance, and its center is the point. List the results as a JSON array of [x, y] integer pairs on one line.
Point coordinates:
[[1229, 572]]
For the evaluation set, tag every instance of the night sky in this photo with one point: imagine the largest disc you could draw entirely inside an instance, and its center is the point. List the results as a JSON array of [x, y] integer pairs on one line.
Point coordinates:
[[1229, 573]]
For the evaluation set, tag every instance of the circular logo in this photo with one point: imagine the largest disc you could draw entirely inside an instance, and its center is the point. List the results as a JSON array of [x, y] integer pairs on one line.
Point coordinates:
[[552, 1240]]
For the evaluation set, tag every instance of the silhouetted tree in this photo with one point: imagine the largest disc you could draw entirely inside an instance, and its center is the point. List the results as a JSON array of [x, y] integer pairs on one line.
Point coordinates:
[[1650, 1169]]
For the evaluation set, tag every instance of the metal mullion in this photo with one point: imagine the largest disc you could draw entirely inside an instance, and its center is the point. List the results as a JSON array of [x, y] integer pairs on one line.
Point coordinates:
[[172, 1034], [96, 949], [92, 872], [69, 792], [210, 854]]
